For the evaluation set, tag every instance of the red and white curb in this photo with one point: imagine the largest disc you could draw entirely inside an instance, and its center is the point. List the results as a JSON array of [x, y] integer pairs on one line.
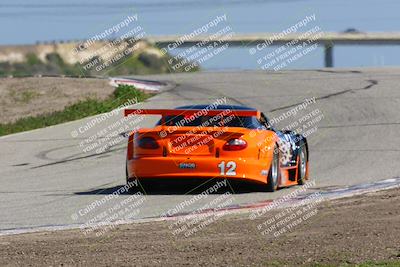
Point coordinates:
[[146, 85]]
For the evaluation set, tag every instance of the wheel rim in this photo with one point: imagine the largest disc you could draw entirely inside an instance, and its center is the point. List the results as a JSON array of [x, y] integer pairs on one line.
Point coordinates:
[[275, 169], [303, 164]]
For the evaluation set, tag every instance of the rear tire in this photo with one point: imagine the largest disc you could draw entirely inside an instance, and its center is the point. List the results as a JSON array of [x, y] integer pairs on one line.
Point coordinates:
[[130, 189], [126, 174], [274, 171], [302, 165]]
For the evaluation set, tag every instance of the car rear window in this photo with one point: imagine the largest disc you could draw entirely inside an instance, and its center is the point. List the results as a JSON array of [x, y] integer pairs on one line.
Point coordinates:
[[210, 121]]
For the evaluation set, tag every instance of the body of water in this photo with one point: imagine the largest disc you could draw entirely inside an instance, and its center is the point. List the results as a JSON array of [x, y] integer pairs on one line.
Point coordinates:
[[26, 22]]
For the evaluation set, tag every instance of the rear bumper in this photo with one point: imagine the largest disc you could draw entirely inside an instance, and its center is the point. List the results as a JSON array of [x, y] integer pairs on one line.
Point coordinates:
[[163, 167]]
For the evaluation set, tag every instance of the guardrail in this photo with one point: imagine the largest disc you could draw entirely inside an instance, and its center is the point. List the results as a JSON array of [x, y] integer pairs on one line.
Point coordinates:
[[328, 40]]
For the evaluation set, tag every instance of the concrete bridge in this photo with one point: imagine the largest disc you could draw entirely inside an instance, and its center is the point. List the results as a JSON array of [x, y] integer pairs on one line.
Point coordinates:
[[327, 39]]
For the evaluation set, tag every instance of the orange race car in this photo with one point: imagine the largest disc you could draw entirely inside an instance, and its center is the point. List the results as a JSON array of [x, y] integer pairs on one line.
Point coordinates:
[[216, 141]]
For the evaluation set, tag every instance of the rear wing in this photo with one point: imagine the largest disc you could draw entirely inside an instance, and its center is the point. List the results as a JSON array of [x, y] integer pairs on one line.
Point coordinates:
[[189, 112]]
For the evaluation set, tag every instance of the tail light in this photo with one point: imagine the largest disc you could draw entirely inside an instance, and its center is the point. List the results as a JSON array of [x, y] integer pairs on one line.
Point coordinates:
[[148, 143], [129, 151], [235, 144]]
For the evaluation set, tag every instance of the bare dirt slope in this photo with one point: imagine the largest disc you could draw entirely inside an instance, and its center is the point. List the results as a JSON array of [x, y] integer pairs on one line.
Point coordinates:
[[348, 231], [22, 97]]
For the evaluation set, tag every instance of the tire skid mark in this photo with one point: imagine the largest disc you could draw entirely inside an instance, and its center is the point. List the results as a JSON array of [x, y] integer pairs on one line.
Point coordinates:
[[359, 125], [370, 85], [74, 158], [200, 90]]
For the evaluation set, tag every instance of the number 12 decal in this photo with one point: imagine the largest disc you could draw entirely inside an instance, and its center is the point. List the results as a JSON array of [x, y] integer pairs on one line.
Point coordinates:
[[229, 169]]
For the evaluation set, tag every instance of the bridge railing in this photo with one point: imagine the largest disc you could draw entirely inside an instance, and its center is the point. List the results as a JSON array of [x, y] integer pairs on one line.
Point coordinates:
[[327, 39]]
